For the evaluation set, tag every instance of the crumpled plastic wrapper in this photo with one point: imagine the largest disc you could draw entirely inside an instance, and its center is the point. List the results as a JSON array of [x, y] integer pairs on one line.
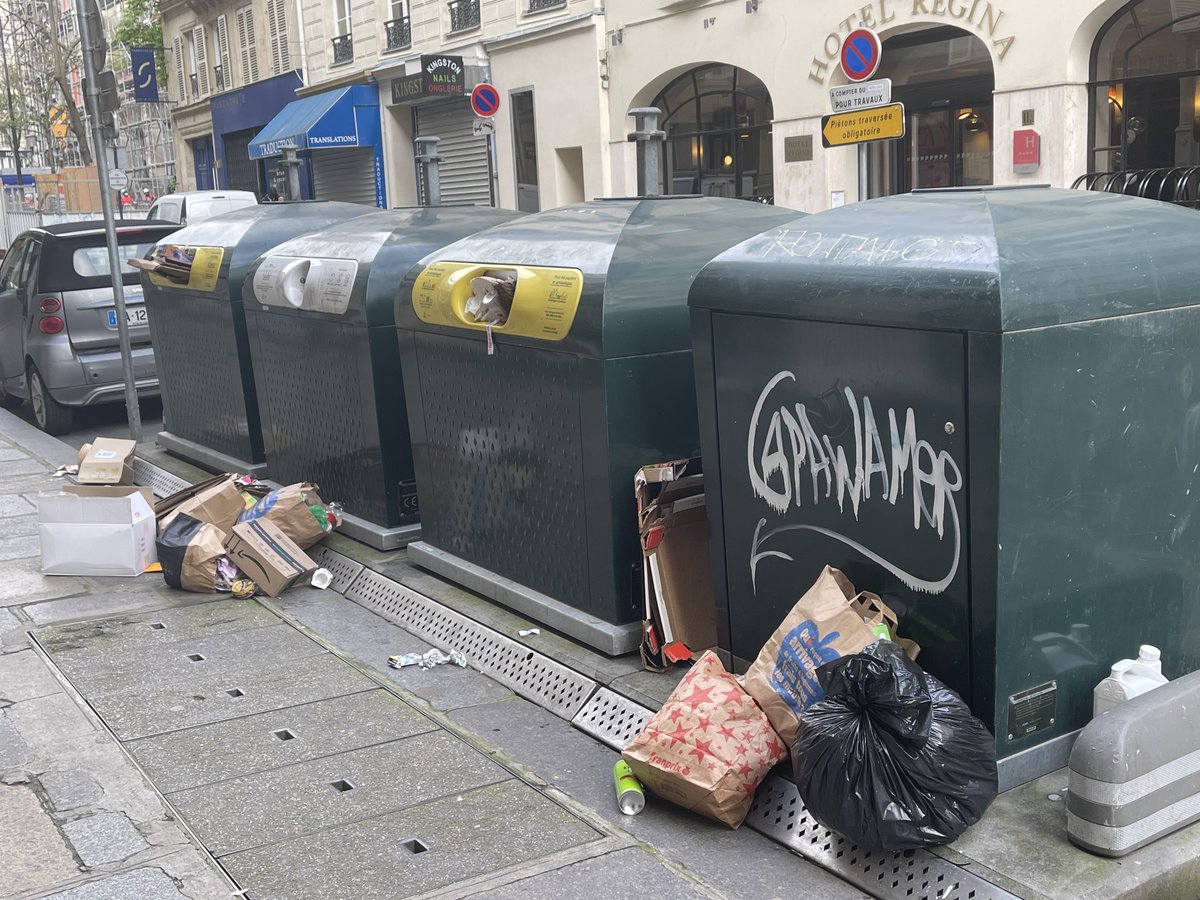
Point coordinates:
[[428, 660], [491, 299]]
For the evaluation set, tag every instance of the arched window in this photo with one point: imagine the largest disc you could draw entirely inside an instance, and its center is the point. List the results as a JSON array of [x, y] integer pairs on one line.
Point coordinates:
[[1145, 87], [718, 124]]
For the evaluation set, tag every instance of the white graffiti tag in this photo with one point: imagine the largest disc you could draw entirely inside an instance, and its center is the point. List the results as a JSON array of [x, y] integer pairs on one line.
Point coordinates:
[[784, 450]]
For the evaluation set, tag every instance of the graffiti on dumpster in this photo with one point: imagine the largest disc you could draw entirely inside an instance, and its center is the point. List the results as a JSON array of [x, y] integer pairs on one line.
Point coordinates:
[[861, 249], [785, 455]]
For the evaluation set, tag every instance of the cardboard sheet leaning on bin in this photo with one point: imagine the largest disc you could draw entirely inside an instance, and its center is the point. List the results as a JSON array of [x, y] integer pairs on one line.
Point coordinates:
[[680, 618], [218, 501]]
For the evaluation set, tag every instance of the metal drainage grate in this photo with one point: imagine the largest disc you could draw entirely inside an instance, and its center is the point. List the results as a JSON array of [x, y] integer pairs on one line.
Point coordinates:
[[343, 568], [162, 482], [612, 719], [550, 684], [779, 814]]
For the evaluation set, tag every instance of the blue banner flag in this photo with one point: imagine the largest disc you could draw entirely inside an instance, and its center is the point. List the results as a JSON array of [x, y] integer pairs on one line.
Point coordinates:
[[145, 79]]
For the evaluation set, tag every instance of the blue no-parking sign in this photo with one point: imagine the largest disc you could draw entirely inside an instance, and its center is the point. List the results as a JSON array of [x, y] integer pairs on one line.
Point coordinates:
[[861, 52], [485, 100]]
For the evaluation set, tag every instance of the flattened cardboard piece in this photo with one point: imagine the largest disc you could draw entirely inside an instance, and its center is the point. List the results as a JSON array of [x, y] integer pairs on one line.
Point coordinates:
[[709, 746], [268, 557], [96, 531], [106, 461], [166, 504], [110, 490], [219, 504]]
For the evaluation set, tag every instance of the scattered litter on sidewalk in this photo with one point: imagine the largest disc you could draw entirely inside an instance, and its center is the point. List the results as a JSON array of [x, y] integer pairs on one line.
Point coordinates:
[[528, 631], [428, 660], [631, 799], [62, 471]]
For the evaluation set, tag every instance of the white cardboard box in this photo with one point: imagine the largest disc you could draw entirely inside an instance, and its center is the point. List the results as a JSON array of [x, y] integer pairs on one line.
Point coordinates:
[[96, 531]]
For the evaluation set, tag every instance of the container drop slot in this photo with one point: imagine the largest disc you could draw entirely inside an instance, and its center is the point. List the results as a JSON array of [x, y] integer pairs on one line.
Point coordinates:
[[491, 297]]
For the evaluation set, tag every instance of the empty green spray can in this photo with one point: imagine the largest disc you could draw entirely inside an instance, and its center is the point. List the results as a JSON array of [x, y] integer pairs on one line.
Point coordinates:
[[630, 798]]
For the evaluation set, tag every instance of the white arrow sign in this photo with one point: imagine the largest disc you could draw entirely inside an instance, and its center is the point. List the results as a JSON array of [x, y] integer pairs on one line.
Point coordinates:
[[483, 127]]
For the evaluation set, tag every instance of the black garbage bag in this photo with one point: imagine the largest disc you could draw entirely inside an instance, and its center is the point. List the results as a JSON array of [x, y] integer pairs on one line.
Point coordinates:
[[892, 758]]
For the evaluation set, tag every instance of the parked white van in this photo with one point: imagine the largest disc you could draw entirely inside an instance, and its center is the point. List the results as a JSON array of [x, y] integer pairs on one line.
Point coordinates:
[[190, 207]]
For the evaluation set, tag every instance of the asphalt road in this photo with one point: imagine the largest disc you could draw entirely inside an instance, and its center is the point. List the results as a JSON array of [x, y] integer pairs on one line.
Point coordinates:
[[108, 420]]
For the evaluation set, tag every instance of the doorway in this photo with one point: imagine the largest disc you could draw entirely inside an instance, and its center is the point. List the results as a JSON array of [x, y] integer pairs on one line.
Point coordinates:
[[944, 78]]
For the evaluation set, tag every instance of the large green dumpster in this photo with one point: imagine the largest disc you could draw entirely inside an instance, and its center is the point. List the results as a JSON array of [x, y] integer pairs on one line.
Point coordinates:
[[210, 406], [525, 456], [327, 364], [983, 405]]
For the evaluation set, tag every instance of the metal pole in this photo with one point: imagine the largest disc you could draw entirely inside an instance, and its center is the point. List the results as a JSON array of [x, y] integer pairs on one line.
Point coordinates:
[[427, 156], [12, 118], [120, 198], [650, 141], [863, 186], [92, 98]]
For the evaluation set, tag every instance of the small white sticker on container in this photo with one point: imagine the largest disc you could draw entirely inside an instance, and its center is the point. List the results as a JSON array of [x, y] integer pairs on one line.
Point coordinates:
[[106, 454]]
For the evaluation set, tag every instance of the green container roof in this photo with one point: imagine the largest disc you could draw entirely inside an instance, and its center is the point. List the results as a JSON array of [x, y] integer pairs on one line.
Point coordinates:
[[991, 259]]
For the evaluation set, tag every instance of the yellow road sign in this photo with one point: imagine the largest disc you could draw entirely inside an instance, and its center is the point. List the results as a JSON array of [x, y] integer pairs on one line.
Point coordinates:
[[875, 123]]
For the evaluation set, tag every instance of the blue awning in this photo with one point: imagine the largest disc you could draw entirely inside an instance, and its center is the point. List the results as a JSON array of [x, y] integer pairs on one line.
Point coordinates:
[[329, 119]]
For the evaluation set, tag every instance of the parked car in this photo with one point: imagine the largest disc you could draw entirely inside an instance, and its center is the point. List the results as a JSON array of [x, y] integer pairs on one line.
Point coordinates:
[[59, 347], [191, 207]]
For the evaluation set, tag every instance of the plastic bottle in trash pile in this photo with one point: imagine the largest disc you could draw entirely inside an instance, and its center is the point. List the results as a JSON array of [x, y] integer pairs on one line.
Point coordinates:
[[1128, 679]]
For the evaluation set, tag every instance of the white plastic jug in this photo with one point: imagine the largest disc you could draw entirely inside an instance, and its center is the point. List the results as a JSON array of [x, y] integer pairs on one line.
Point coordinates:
[[1128, 678]]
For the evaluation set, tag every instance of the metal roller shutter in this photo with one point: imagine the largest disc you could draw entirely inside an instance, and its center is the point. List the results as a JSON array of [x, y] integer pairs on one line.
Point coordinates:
[[346, 174], [465, 174]]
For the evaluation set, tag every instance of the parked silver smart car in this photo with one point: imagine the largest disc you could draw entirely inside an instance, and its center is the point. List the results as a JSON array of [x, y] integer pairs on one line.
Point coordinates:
[[58, 326]]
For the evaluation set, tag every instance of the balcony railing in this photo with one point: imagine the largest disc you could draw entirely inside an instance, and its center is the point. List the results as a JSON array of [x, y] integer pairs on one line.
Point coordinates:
[[195, 79], [464, 14], [219, 72], [399, 33], [539, 5], [343, 49]]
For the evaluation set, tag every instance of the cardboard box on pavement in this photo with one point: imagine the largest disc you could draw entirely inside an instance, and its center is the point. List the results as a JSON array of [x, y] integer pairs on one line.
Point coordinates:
[[92, 530], [106, 461], [268, 557]]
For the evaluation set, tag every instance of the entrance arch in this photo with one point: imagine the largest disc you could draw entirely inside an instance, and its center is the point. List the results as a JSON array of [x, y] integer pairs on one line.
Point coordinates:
[[717, 119], [945, 78]]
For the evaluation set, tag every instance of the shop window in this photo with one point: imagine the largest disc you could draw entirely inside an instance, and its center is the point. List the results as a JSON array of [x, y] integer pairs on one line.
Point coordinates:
[[718, 124], [1145, 88]]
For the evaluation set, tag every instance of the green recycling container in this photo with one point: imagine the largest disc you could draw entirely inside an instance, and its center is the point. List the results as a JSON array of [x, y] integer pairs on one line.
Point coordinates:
[[981, 404], [526, 436], [320, 314], [210, 405]]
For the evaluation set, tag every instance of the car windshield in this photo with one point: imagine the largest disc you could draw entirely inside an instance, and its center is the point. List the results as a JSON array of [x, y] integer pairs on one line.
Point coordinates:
[[92, 262]]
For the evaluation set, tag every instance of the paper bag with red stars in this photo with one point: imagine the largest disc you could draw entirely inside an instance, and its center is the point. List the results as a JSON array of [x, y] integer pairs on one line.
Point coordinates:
[[709, 746]]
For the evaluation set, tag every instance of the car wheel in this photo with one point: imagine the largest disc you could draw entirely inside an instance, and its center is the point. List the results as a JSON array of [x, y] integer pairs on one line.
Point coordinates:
[[50, 415], [7, 400]]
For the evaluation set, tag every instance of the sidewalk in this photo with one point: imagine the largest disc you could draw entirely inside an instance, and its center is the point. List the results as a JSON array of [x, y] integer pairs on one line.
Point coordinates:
[[392, 783]]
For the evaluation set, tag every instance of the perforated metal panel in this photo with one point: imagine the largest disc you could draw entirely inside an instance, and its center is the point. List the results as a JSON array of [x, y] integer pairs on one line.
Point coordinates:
[[315, 370], [162, 482], [538, 678], [343, 568], [779, 814], [612, 719], [506, 462], [200, 373]]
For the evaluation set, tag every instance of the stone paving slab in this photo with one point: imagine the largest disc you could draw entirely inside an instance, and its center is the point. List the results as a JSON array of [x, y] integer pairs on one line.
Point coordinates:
[[19, 526], [140, 884], [15, 505], [240, 656], [197, 619], [23, 466], [99, 603], [225, 750], [24, 582], [630, 874], [24, 676], [104, 838], [35, 855], [255, 810], [467, 835], [154, 709], [11, 453], [20, 546], [370, 639]]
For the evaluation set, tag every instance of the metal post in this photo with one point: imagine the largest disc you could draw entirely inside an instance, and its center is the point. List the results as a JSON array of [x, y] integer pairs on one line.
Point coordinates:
[[863, 186], [120, 198], [428, 159], [92, 98], [649, 140], [291, 162]]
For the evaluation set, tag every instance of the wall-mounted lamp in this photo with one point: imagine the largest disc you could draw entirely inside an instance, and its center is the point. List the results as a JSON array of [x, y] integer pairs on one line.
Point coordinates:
[[617, 37], [728, 160]]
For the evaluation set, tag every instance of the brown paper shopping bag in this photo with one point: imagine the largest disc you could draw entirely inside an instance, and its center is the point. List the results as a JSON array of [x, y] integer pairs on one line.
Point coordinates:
[[829, 621], [709, 746]]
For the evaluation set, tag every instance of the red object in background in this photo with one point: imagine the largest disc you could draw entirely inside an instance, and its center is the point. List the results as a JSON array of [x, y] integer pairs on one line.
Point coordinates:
[[1027, 150]]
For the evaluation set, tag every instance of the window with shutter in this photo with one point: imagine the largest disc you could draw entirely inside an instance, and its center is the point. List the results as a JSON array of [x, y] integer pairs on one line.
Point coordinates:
[[201, 42], [181, 90], [246, 45], [225, 82], [277, 28]]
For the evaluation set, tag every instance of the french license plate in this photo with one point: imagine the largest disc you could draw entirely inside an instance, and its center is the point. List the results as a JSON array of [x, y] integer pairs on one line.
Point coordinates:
[[134, 316]]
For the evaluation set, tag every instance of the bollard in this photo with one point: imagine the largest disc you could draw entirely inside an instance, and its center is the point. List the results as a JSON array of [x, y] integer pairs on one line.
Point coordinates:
[[650, 141]]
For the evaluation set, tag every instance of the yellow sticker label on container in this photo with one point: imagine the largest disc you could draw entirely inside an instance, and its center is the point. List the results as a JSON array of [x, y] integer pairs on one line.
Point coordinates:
[[204, 264], [543, 303]]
